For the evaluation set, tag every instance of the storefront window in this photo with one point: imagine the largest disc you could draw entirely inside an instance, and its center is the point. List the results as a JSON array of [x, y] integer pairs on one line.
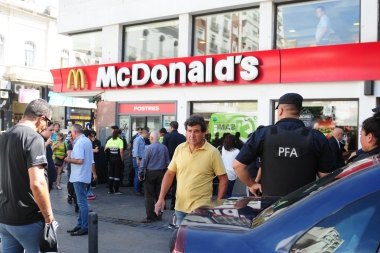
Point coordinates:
[[228, 32], [315, 23], [151, 41], [327, 115], [87, 48], [228, 117]]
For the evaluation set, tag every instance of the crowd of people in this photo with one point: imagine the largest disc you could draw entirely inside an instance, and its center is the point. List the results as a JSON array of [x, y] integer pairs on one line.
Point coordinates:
[[274, 161]]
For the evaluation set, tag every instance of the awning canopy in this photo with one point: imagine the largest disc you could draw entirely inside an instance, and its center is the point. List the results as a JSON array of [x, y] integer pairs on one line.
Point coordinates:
[[61, 100]]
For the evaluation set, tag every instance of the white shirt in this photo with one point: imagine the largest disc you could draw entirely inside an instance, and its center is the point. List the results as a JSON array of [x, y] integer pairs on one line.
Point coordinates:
[[228, 157]]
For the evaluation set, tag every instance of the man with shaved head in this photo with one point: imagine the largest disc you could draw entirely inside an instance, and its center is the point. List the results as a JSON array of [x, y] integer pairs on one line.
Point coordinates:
[[155, 162], [334, 143]]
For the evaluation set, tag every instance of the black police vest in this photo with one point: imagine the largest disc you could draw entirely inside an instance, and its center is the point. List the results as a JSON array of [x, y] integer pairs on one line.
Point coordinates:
[[288, 160]]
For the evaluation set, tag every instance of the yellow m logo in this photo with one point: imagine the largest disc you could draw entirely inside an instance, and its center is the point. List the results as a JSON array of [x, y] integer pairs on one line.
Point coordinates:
[[76, 74]]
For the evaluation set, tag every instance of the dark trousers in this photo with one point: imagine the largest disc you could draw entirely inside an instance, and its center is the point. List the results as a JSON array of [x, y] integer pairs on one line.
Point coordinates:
[[173, 192], [152, 188], [115, 173]]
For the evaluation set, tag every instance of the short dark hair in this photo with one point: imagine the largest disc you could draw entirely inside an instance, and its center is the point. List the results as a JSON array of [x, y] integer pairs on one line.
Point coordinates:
[[56, 123], [322, 8], [372, 125], [114, 127], [93, 133], [163, 131], [194, 120], [237, 135], [87, 132], [37, 108], [174, 124]]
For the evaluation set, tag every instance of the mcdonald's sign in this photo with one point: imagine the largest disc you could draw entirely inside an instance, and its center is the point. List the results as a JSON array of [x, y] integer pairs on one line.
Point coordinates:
[[78, 76]]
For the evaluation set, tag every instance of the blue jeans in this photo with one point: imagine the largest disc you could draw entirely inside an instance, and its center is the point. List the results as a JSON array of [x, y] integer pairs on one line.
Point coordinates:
[[136, 181], [81, 192], [14, 239], [229, 188], [179, 216]]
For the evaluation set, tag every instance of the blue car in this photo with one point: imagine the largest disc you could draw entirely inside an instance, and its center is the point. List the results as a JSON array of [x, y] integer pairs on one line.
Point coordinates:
[[337, 213]]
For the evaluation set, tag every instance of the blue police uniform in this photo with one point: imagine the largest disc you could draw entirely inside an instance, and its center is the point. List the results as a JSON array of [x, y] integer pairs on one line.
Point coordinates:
[[287, 167]]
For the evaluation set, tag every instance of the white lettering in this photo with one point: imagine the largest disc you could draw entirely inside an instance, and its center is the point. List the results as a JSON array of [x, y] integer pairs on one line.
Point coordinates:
[[164, 74], [196, 75], [135, 74], [280, 151], [146, 108], [248, 64], [229, 65], [182, 72], [120, 81], [209, 62], [105, 77], [294, 152], [286, 151]]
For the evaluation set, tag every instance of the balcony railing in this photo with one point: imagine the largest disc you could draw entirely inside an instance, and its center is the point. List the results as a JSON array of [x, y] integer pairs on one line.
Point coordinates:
[[214, 27], [226, 32], [213, 48]]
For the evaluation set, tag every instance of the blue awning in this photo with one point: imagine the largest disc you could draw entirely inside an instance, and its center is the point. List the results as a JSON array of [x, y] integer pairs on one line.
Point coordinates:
[[61, 100]]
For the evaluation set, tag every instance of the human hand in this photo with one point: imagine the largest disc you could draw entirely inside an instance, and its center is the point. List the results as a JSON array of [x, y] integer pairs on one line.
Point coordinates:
[[160, 203], [94, 177], [254, 188], [352, 154], [49, 219]]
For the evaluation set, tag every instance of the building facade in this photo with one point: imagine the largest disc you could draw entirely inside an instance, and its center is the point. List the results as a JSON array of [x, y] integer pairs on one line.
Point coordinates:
[[230, 61]]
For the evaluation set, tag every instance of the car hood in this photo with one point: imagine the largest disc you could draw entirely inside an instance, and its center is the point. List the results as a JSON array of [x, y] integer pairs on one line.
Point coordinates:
[[233, 213]]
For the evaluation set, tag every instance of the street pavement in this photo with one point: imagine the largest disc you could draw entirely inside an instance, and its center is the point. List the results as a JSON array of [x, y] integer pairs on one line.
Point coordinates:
[[119, 226]]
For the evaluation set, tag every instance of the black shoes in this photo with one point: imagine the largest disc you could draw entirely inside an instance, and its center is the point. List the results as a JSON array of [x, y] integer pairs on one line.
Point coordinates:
[[73, 230], [83, 231], [138, 193], [69, 200]]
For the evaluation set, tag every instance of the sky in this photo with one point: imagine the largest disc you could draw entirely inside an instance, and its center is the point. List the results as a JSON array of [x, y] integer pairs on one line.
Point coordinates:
[[45, 3]]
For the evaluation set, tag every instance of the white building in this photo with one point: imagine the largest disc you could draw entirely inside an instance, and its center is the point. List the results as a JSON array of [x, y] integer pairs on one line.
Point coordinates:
[[270, 31], [29, 47]]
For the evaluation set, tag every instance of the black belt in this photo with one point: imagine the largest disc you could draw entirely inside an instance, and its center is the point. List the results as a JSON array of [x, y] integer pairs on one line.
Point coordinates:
[[155, 170]]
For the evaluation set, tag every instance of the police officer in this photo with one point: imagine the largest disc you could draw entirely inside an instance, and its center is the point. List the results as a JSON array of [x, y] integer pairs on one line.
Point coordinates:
[[291, 154]]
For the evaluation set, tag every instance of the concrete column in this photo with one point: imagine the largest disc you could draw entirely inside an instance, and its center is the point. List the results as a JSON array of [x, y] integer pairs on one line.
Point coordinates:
[[267, 26], [184, 34], [369, 20], [264, 114], [112, 44]]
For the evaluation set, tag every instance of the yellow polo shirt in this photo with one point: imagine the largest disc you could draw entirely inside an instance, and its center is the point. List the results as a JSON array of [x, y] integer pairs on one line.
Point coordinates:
[[195, 172]]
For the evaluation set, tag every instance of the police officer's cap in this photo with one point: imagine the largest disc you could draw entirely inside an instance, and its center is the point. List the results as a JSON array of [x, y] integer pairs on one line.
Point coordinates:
[[377, 109], [290, 99]]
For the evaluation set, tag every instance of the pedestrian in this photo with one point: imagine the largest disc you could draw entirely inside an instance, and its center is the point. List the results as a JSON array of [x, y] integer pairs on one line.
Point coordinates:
[[369, 138], [335, 146], [229, 152], [116, 161], [291, 154], [24, 194], [138, 153], [163, 132], [70, 187], [51, 170], [195, 162], [171, 141], [96, 144], [155, 163], [81, 166], [59, 151], [57, 127]]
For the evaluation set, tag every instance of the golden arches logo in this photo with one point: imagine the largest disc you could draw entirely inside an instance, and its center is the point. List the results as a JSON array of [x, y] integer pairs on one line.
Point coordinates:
[[76, 74]]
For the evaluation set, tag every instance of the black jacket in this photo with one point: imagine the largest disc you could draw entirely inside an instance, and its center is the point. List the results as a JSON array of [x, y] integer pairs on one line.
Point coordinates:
[[337, 153], [172, 140]]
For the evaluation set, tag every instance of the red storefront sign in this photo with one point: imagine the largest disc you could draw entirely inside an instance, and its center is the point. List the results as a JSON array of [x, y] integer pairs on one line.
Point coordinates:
[[348, 62], [153, 108]]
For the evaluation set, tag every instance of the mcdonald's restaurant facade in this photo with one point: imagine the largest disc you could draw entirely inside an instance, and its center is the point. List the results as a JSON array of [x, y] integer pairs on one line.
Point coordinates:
[[229, 61]]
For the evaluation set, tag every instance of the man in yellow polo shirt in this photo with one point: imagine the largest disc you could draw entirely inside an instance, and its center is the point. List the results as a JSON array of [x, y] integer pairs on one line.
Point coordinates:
[[195, 162]]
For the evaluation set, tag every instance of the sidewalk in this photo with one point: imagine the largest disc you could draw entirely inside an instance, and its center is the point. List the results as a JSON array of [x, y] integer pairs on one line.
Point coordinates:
[[119, 224]]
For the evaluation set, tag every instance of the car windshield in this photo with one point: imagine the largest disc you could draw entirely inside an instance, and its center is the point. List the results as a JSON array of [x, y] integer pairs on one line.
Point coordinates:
[[309, 189]]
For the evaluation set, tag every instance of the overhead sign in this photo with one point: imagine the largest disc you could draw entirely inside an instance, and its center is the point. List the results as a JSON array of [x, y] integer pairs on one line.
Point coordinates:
[[156, 108], [226, 69]]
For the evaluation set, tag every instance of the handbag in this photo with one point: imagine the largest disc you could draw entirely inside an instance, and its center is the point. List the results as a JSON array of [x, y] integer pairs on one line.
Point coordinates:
[[49, 241]]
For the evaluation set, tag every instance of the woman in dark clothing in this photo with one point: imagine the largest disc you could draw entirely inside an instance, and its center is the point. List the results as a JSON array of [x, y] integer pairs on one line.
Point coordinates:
[[369, 138], [116, 157]]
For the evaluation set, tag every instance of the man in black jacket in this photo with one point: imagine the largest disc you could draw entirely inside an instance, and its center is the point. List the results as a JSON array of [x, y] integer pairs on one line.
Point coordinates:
[[334, 143], [171, 141]]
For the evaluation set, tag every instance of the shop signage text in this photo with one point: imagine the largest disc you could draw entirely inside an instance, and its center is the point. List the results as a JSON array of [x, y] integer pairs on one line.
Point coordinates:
[[156, 108], [195, 72]]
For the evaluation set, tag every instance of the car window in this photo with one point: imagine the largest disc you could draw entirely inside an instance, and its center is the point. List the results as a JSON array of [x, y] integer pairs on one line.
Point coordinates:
[[311, 188], [354, 228]]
